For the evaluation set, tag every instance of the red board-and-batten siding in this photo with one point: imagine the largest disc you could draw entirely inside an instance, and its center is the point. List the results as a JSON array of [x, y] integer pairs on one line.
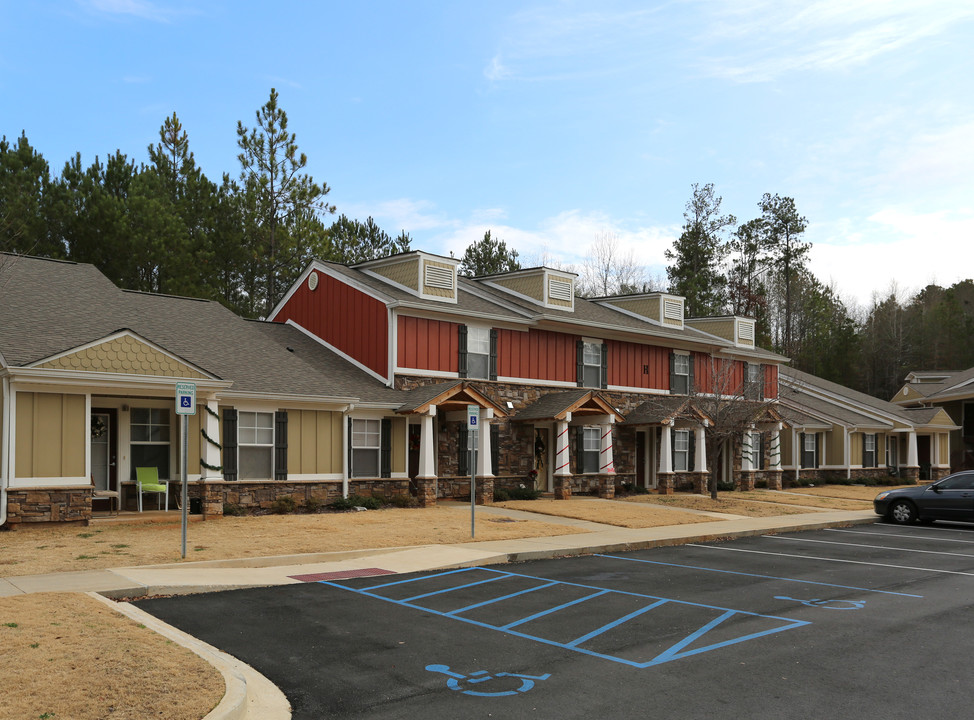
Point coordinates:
[[345, 318], [428, 344]]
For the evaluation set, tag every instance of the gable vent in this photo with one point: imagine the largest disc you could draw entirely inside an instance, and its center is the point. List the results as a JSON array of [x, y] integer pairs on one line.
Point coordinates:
[[673, 309], [746, 331], [439, 277], [559, 289]]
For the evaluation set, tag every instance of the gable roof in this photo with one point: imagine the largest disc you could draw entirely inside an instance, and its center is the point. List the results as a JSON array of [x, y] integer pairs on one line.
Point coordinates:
[[52, 307]]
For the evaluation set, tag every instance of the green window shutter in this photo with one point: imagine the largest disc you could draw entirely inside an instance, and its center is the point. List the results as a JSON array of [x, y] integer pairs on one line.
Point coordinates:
[[580, 363], [605, 366], [462, 343], [492, 373], [385, 451], [229, 444], [280, 445], [495, 434], [463, 451]]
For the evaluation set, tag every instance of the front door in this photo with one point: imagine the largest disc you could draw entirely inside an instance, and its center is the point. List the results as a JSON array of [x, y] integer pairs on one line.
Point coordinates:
[[104, 450], [542, 459]]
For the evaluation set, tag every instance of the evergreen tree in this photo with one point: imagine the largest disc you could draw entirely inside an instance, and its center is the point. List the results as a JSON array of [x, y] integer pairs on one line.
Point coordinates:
[[24, 184], [282, 203], [488, 257], [782, 227], [350, 241], [698, 255]]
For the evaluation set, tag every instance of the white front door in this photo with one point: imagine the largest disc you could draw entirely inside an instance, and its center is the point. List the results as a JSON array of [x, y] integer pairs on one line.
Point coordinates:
[[101, 433]]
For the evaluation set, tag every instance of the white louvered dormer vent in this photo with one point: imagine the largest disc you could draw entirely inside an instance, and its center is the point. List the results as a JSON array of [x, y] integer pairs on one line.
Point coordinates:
[[673, 310], [438, 277], [745, 331], [559, 289]]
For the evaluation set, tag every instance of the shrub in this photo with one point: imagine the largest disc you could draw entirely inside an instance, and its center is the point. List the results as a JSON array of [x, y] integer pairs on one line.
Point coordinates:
[[312, 504], [523, 493], [234, 510], [284, 505], [725, 487], [354, 501], [403, 501], [501, 495]]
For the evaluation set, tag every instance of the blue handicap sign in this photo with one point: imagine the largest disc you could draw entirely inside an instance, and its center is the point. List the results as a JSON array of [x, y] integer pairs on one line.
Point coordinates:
[[456, 681], [185, 401]]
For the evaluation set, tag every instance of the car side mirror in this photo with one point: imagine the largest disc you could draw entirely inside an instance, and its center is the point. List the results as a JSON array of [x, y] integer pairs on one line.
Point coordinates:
[[935, 488]]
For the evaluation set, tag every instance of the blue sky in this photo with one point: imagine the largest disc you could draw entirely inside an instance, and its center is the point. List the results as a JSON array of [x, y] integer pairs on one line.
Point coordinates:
[[551, 123]]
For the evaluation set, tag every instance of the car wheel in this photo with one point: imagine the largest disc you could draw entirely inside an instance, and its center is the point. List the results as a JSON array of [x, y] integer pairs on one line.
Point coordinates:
[[903, 512]]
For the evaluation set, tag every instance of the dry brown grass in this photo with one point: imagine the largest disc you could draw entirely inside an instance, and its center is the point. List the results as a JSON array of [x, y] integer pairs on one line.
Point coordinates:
[[730, 503], [851, 492], [607, 513], [31, 551], [66, 655], [798, 497]]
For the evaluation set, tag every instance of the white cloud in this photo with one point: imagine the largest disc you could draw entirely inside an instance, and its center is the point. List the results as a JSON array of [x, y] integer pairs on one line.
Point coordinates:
[[136, 8], [413, 216]]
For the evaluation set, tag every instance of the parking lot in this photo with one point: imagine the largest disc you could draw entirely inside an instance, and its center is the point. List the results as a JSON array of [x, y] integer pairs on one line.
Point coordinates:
[[871, 621]]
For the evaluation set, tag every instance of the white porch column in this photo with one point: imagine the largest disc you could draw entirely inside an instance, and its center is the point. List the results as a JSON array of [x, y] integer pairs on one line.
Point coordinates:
[[700, 451], [210, 453], [483, 447], [561, 448], [847, 452], [775, 447], [796, 451], [666, 451], [605, 449], [746, 450], [427, 442], [911, 450], [935, 449]]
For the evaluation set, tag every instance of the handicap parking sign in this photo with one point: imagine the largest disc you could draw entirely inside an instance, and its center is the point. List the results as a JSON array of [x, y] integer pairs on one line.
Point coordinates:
[[185, 398]]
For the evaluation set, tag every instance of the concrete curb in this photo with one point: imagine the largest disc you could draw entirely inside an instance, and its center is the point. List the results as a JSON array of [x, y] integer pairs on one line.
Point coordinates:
[[249, 695]]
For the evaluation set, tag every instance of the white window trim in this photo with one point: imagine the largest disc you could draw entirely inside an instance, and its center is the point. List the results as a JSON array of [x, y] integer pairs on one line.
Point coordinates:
[[677, 452], [272, 445], [377, 448]]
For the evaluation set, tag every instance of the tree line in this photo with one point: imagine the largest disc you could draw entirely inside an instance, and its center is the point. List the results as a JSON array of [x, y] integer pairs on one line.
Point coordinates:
[[163, 226]]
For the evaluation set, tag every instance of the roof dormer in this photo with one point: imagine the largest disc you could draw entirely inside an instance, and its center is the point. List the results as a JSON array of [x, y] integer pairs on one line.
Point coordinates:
[[431, 277], [549, 288], [659, 308], [739, 330]]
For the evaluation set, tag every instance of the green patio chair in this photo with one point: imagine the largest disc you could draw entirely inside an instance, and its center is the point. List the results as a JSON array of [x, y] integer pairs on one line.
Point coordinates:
[[147, 481]]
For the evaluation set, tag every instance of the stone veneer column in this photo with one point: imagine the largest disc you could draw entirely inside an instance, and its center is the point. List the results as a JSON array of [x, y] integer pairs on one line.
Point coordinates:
[[563, 476], [607, 471], [665, 474], [426, 479]]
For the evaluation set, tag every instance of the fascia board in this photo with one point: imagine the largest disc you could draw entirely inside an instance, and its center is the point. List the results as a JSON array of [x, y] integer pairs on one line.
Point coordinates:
[[45, 376]]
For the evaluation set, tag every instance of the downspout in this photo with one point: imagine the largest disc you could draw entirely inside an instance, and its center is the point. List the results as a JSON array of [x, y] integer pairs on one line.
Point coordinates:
[[346, 414], [4, 450]]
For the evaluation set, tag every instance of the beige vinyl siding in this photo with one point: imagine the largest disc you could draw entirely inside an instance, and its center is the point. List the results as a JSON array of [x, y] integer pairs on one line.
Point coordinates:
[[405, 273], [314, 443], [399, 445], [530, 286], [944, 440], [438, 291], [834, 448], [646, 307], [855, 448], [195, 442], [880, 449], [787, 454], [51, 435]]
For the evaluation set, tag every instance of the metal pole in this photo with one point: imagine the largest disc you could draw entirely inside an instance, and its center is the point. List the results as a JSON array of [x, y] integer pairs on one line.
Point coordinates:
[[473, 483], [185, 467]]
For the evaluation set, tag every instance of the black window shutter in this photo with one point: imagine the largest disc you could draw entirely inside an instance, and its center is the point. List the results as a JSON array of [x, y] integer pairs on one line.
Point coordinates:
[[818, 449], [691, 452], [761, 451], [385, 452], [605, 366], [229, 444], [672, 373], [580, 450], [492, 373], [495, 434], [462, 343], [463, 451], [690, 375], [280, 445], [351, 470], [801, 449], [580, 363]]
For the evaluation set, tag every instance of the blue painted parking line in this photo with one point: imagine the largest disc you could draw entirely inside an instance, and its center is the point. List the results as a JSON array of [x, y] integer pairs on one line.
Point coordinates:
[[756, 575], [713, 617]]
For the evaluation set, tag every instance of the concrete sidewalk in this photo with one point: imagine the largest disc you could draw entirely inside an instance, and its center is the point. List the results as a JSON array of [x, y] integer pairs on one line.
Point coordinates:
[[195, 577]]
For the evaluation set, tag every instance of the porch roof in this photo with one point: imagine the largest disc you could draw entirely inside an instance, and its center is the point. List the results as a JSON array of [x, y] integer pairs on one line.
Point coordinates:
[[453, 395], [556, 406], [664, 409]]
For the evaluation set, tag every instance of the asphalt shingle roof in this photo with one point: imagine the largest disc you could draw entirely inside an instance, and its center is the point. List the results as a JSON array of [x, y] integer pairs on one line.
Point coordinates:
[[51, 307]]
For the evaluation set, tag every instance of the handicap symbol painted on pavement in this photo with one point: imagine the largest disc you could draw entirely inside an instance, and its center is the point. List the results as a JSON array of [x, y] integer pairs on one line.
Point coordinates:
[[828, 604], [481, 676]]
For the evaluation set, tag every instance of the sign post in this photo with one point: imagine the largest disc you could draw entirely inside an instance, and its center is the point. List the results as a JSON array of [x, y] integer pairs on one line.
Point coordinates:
[[473, 425], [185, 405]]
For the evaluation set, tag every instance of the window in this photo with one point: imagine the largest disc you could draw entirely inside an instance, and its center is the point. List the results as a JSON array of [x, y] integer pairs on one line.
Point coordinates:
[[591, 438], [809, 450], [681, 450], [869, 450], [255, 438], [754, 388], [680, 382], [591, 364], [478, 353], [366, 448], [755, 450], [149, 443], [960, 481]]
